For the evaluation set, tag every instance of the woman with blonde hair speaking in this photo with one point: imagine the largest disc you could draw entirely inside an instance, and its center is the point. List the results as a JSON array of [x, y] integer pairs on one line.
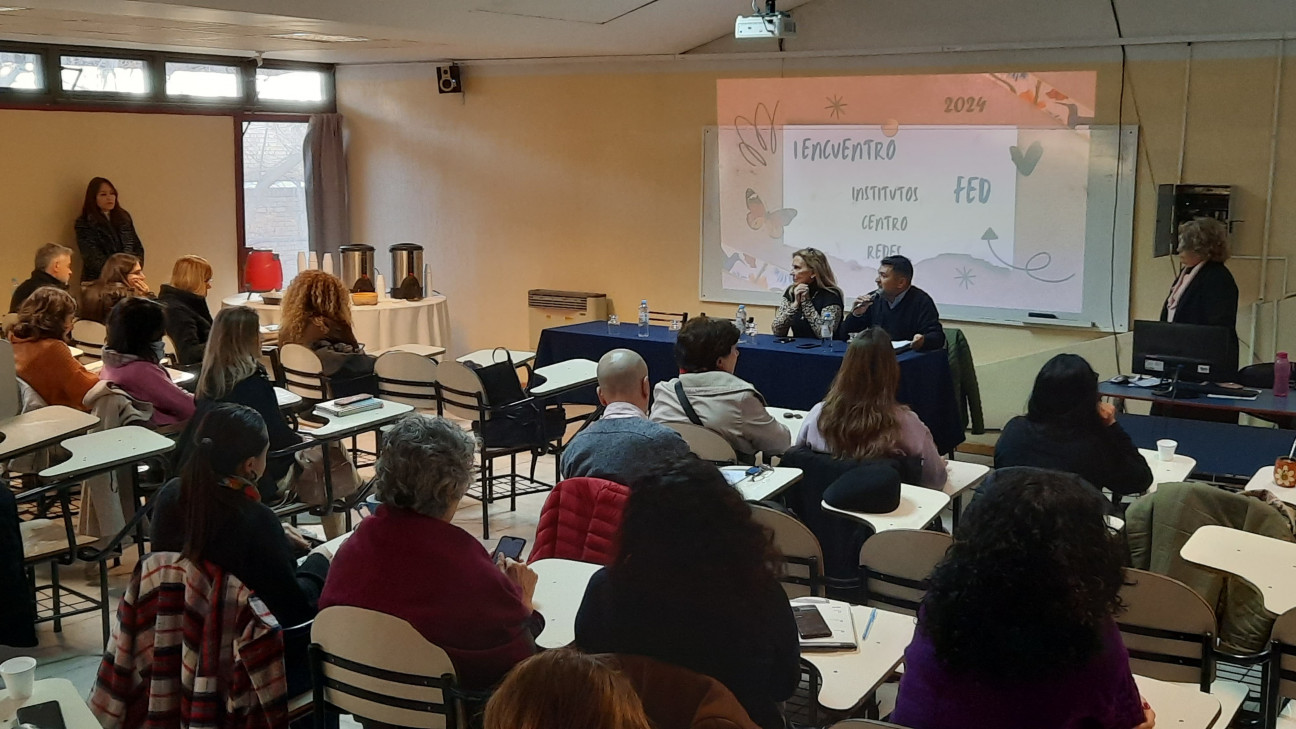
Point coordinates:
[[317, 315], [859, 418], [813, 299], [188, 320]]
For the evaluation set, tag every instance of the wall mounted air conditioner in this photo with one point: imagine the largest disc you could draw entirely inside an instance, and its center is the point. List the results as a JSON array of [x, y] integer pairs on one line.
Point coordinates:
[[549, 308]]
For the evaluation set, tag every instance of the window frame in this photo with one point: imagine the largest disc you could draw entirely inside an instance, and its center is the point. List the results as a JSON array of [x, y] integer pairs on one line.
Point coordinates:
[[240, 200], [53, 96]]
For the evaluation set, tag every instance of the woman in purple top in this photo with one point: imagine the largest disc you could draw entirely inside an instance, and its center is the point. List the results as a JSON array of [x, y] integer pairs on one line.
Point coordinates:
[[859, 417], [131, 358], [1018, 630]]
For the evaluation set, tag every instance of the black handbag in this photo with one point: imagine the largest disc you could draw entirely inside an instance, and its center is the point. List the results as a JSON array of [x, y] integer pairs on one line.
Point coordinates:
[[515, 420]]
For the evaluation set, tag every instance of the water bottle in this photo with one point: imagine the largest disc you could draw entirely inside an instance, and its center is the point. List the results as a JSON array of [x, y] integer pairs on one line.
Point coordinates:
[[643, 318], [826, 331], [740, 321], [1282, 375]]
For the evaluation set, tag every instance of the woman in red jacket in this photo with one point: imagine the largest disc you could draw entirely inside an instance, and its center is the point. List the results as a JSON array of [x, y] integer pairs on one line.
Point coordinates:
[[409, 561]]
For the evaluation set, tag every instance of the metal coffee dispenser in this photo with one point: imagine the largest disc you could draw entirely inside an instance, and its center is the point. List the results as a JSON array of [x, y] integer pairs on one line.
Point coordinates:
[[407, 271], [357, 267]]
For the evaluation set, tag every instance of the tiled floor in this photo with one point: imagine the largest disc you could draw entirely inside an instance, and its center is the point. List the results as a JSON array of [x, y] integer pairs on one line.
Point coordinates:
[[75, 652]]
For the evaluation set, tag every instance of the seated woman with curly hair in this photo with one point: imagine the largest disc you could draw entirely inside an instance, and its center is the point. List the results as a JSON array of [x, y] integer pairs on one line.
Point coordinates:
[[41, 357], [317, 315], [1018, 629], [693, 584]]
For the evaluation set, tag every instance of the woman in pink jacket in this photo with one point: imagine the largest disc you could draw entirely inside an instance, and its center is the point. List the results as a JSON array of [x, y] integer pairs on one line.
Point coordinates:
[[131, 359]]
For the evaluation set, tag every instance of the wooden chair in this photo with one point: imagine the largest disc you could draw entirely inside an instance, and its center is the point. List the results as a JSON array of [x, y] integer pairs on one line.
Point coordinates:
[[799, 546], [304, 374], [704, 443], [1169, 631], [666, 317], [1281, 676], [407, 378], [379, 669], [462, 395], [895, 566], [89, 336]]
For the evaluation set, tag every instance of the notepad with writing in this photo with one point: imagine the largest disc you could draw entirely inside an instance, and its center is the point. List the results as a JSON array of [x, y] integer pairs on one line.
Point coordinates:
[[840, 621]]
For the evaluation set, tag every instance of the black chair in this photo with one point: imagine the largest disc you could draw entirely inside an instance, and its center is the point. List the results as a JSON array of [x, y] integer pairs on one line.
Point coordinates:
[[525, 426]]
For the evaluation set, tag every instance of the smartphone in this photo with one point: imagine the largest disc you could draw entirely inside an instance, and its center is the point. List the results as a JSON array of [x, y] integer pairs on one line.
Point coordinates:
[[42, 716], [810, 622], [510, 547]]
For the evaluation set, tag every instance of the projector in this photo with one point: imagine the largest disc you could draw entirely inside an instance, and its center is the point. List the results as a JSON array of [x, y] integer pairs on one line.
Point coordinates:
[[769, 25]]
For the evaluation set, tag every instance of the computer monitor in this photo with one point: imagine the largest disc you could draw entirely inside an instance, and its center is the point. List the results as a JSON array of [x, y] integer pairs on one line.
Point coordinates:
[[1195, 352]]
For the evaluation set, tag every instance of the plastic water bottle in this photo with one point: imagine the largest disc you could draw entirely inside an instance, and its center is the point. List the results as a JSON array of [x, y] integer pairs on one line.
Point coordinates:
[[740, 321], [826, 331], [643, 318], [1282, 375]]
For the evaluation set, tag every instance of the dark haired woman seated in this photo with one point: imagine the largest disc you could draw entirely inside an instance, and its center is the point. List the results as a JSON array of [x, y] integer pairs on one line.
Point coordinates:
[[693, 584], [706, 352], [1018, 629], [213, 512], [1066, 428], [132, 356]]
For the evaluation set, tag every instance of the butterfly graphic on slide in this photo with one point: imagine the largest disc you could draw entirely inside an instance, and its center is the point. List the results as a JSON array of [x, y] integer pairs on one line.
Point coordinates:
[[760, 130], [772, 221]]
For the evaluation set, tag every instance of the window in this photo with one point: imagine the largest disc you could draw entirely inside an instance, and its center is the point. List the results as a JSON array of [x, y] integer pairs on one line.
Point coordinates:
[[21, 71], [202, 80], [283, 84], [110, 75], [274, 190]]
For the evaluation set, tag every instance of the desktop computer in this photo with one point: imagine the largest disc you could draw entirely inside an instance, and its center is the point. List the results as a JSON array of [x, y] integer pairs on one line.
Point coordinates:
[[1185, 354]]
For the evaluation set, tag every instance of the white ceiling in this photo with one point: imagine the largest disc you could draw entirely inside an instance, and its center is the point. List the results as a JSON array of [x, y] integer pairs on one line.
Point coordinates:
[[418, 30]]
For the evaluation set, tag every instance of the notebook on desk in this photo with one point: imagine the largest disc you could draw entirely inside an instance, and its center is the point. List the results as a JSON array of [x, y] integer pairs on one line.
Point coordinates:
[[839, 619]]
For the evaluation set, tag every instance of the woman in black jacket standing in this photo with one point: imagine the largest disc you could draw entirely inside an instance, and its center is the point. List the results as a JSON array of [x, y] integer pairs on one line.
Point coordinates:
[[1066, 428], [1204, 292], [104, 228], [188, 320]]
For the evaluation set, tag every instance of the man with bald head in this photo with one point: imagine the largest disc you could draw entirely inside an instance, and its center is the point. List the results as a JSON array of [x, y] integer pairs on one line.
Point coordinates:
[[623, 445]]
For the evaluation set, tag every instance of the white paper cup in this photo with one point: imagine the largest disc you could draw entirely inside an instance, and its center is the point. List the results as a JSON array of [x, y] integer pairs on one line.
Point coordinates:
[[1166, 449], [19, 675]]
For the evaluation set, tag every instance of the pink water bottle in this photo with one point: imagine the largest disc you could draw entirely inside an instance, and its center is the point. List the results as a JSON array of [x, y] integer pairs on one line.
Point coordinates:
[[1282, 375]]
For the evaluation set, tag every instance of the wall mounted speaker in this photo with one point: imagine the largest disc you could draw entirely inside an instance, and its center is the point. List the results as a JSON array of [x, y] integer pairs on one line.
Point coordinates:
[[448, 79]]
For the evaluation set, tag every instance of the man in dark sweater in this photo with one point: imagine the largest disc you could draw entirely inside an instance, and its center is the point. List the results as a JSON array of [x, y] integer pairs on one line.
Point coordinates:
[[905, 312], [53, 268], [623, 446]]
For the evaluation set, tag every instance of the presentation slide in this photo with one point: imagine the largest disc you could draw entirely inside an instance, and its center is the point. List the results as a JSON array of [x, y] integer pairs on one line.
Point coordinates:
[[992, 184]]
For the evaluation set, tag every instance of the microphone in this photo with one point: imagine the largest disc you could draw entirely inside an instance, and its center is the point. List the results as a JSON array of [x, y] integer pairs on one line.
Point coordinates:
[[869, 298]]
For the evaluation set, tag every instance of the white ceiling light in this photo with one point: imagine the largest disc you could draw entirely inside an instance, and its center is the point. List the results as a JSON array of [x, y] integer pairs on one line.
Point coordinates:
[[11, 10], [320, 37]]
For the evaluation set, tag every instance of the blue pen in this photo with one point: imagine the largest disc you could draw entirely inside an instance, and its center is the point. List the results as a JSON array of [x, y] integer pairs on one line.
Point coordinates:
[[869, 625]]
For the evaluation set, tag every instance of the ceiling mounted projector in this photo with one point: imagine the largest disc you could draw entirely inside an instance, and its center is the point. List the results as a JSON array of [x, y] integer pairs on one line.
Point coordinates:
[[768, 24]]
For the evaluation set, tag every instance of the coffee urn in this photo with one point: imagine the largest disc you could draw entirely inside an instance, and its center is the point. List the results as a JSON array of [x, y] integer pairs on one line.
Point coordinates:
[[357, 267], [407, 271]]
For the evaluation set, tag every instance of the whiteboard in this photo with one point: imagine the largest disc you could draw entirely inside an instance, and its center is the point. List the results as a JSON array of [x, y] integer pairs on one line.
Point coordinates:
[[1004, 224]]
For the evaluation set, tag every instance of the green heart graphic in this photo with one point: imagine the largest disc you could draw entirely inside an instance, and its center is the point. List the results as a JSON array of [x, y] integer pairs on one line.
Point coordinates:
[[1026, 161]]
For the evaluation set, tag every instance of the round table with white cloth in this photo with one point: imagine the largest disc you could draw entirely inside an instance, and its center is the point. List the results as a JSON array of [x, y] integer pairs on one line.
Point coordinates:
[[386, 324]]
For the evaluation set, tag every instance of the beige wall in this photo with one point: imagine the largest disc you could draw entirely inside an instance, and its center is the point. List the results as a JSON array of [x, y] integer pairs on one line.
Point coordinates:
[[175, 175], [589, 178]]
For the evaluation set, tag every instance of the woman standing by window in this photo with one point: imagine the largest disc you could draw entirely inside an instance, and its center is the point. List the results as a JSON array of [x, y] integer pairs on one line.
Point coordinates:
[[104, 228]]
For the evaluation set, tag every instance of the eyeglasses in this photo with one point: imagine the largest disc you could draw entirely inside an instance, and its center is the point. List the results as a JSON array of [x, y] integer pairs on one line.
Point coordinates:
[[756, 473]]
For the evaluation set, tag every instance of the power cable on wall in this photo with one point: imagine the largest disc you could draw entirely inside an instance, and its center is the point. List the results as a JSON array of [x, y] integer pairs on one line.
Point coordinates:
[[1120, 131]]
